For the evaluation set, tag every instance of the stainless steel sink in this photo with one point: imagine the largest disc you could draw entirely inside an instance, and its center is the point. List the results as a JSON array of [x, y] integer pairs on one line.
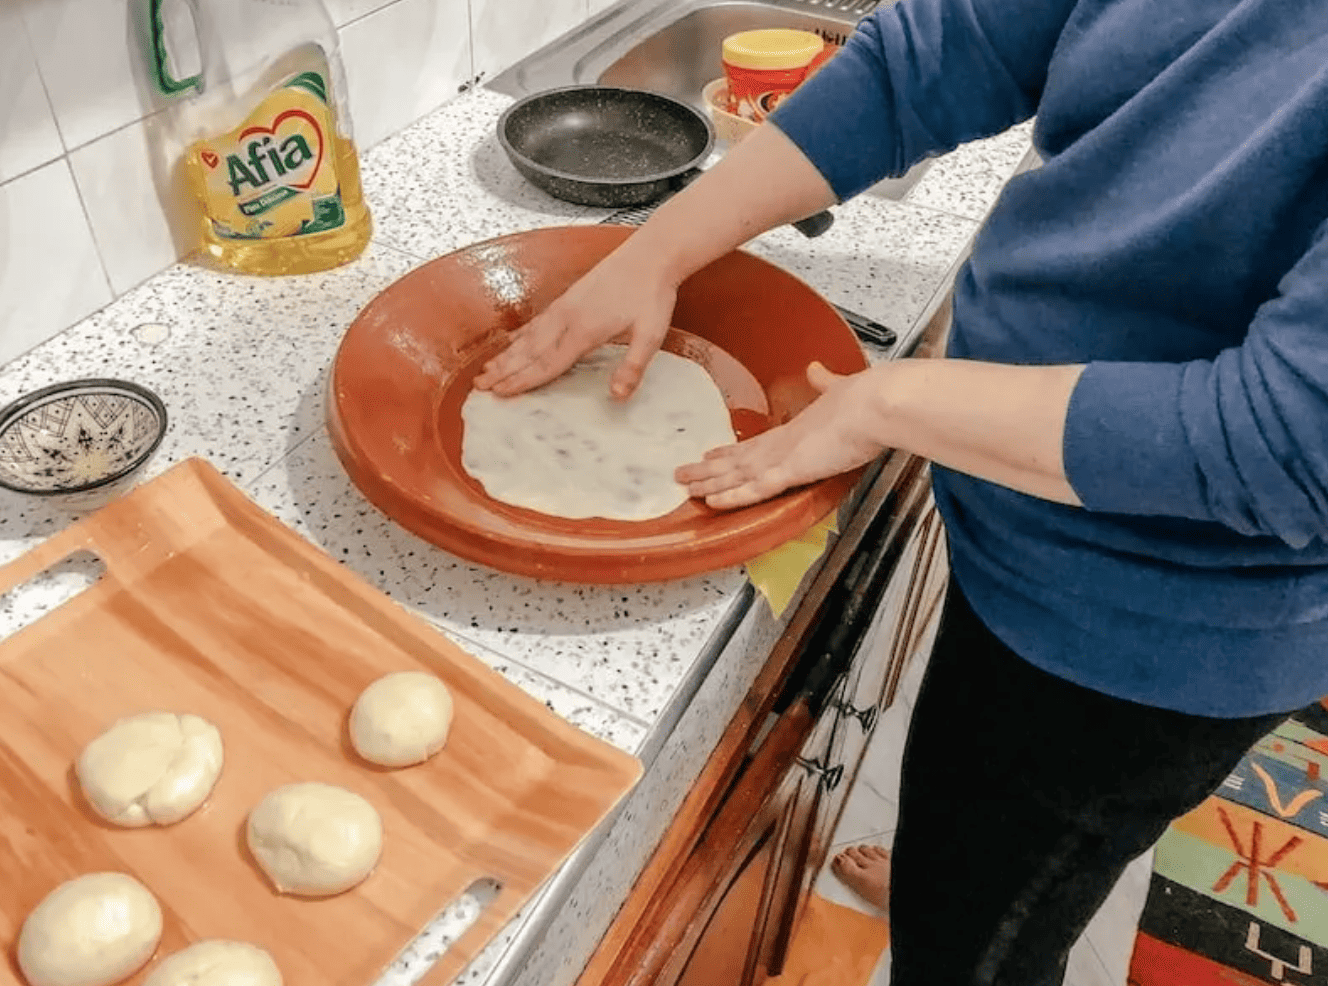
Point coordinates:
[[673, 47], [668, 46], [682, 57]]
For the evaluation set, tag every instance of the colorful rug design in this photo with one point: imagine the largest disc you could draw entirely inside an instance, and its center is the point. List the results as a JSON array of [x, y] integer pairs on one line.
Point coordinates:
[[1239, 893]]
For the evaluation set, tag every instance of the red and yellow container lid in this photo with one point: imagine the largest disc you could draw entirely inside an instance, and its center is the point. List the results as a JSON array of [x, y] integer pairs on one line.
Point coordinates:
[[772, 48]]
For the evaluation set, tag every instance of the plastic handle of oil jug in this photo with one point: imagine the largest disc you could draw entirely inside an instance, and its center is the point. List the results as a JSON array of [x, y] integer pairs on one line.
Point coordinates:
[[167, 83]]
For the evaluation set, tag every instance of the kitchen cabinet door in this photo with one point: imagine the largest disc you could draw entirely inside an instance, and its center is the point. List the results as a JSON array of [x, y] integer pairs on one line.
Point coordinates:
[[818, 774], [895, 631], [720, 900], [730, 948], [909, 606], [870, 687], [732, 909], [812, 805]]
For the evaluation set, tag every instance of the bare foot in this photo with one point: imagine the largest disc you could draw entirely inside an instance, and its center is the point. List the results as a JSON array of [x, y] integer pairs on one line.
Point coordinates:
[[866, 871]]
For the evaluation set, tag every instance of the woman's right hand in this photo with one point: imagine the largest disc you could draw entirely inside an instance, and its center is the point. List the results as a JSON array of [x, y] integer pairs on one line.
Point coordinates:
[[632, 291], [622, 295]]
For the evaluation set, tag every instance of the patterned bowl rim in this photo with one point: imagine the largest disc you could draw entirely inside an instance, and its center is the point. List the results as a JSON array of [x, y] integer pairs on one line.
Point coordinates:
[[16, 409]]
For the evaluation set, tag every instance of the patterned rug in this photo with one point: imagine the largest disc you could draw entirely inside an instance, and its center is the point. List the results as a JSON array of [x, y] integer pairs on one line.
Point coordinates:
[[1239, 893]]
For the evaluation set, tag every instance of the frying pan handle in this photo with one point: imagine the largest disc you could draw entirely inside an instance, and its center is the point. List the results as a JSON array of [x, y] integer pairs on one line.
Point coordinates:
[[815, 225], [810, 227], [685, 179]]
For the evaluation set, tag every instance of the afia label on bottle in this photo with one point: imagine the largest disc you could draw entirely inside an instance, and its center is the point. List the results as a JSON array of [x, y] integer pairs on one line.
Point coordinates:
[[276, 174]]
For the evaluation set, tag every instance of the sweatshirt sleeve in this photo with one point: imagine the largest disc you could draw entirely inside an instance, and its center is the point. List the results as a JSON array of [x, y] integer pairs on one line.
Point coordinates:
[[918, 78], [1241, 439]]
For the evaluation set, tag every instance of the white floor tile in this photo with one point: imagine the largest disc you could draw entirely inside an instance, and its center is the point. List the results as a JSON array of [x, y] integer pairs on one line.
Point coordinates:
[[829, 886], [1086, 969], [916, 668], [1111, 932], [867, 816], [885, 753], [881, 977]]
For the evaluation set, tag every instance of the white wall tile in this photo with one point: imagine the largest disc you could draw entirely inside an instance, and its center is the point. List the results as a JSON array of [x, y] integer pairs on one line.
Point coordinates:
[[345, 11], [143, 216], [75, 230], [505, 31], [28, 137], [50, 275], [91, 62], [403, 61]]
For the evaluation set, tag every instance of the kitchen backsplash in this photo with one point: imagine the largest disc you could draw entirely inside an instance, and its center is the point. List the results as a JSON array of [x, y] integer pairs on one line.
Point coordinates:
[[84, 216]]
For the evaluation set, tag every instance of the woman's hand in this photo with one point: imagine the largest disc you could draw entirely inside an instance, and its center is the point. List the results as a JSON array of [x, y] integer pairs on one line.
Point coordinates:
[[837, 432], [622, 295], [633, 290]]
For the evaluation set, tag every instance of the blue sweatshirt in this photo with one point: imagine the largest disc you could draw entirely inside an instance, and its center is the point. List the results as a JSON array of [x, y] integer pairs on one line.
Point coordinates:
[[1176, 242]]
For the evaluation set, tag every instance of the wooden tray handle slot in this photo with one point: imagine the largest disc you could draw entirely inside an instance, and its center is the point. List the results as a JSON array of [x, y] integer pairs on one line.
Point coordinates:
[[48, 554], [73, 571], [500, 905]]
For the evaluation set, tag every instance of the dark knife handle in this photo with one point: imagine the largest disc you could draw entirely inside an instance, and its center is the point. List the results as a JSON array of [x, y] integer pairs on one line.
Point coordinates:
[[815, 225], [866, 329]]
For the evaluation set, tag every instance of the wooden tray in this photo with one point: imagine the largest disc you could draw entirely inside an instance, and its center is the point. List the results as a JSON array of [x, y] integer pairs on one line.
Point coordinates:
[[209, 605]]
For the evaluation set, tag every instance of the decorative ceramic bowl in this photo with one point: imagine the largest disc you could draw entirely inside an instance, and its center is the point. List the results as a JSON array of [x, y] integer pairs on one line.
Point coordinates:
[[79, 437]]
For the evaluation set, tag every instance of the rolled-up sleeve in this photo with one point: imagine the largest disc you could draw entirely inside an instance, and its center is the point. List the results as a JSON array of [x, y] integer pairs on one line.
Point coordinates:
[[1241, 439], [918, 78]]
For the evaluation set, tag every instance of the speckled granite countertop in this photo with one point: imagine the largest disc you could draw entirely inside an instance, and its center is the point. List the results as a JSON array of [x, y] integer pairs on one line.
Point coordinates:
[[242, 365]]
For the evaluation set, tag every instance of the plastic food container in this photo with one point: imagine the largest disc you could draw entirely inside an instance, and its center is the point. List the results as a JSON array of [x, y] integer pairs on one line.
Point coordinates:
[[762, 67], [728, 126]]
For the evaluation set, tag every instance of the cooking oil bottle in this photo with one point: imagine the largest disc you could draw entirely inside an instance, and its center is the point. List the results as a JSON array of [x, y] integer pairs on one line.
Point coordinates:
[[269, 152]]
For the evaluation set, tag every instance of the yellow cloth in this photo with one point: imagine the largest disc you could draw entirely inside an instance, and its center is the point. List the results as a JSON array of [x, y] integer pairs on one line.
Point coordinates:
[[779, 572]]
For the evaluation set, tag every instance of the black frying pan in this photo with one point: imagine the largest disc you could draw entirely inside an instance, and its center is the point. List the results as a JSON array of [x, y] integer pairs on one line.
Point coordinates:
[[610, 147]]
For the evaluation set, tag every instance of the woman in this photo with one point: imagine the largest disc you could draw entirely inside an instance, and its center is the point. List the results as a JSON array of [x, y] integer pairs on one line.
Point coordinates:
[[1130, 432]]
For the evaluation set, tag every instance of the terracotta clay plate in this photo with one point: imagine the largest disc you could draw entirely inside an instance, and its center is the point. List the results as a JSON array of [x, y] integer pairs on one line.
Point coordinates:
[[408, 360]]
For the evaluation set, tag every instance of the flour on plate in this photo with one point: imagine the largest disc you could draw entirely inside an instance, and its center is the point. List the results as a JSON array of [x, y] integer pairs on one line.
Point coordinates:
[[570, 449]]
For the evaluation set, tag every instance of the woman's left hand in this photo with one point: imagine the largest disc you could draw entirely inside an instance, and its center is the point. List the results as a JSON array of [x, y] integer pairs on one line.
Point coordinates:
[[837, 432]]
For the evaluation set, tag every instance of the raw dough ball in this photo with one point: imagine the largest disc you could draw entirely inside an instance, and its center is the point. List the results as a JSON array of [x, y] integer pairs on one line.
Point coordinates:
[[154, 768], [217, 963], [91, 931], [314, 839], [401, 719]]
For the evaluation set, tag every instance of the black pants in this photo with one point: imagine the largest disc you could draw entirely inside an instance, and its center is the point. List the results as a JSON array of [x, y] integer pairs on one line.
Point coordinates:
[[1023, 799]]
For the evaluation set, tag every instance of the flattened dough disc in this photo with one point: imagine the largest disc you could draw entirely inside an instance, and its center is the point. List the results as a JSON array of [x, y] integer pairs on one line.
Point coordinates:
[[570, 449]]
